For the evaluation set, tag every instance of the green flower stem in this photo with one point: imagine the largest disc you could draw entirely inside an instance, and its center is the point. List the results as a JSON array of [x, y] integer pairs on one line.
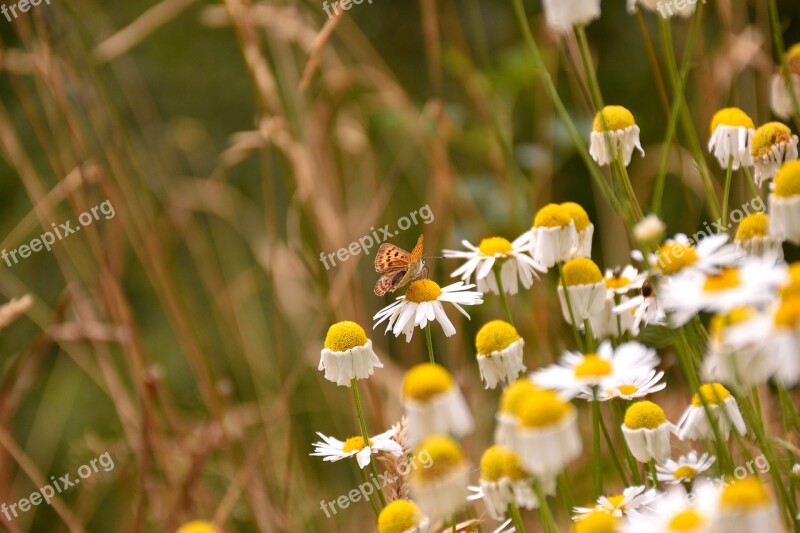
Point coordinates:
[[597, 462], [588, 67], [365, 435], [369, 497], [780, 49], [430, 343], [503, 295], [516, 517], [455, 523], [633, 465], [750, 182], [587, 329], [565, 487], [563, 283], [545, 515], [611, 448], [790, 412], [727, 193], [653, 473]]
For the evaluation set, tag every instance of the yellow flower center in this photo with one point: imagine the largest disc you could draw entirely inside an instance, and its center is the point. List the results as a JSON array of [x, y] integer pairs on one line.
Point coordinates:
[[423, 290], [793, 58], [495, 336], [788, 314], [597, 522], [441, 452], [787, 180], [581, 271], [198, 526], [344, 336], [755, 226], [686, 521], [577, 214], [613, 118], [627, 390], [514, 395], [735, 316], [552, 216], [685, 472], [354, 444], [399, 516], [593, 366], [725, 279], [617, 282], [712, 393], [495, 245], [498, 462], [767, 136], [616, 501], [644, 415], [674, 257], [746, 493], [426, 380], [543, 409], [731, 116]]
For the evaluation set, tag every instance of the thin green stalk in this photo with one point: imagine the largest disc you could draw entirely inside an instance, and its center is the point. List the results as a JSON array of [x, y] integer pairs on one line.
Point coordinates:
[[787, 405], [587, 328], [653, 473], [430, 343], [633, 465], [597, 461], [503, 295], [545, 515], [516, 517], [566, 491], [455, 523], [365, 435], [751, 183], [672, 126], [651, 56], [563, 283], [588, 67], [369, 496], [611, 448], [727, 193]]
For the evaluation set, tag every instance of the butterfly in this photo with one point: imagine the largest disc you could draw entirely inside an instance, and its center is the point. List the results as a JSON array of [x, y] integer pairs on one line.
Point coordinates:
[[397, 266]]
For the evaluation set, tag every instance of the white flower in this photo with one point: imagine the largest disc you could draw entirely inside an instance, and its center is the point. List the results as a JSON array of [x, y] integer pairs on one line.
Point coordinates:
[[784, 204], [577, 374], [331, 449], [614, 135], [780, 97], [630, 386], [608, 323], [347, 354], [507, 416], [509, 256], [746, 506], [434, 404], [753, 237], [685, 469], [647, 432], [562, 15], [560, 233], [771, 146], [722, 407], [677, 510], [636, 498], [646, 307], [582, 292], [731, 131], [404, 512], [422, 303], [649, 229], [679, 254], [499, 356], [440, 491]]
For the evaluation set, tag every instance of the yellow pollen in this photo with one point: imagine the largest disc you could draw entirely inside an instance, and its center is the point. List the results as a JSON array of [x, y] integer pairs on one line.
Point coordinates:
[[552, 216], [685, 472], [542, 409], [498, 462], [644, 415], [627, 390], [746, 493], [731, 116], [767, 136], [426, 380], [577, 214], [494, 246], [617, 282], [788, 314], [597, 522], [794, 271], [793, 58], [344, 336], [686, 521], [593, 366], [725, 279], [441, 452], [198, 526], [616, 500], [787, 180], [581, 271], [613, 118], [354, 444], [495, 336], [735, 316], [713, 394], [399, 516], [791, 289], [674, 257], [423, 290], [515, 394], [755, 226]]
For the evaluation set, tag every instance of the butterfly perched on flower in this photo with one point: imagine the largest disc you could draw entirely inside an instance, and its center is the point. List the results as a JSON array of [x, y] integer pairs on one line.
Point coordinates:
[[397, 266]]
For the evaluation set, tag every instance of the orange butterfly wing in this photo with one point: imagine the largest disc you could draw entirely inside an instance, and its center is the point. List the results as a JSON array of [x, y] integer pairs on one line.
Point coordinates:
[[389, 282], [390, 258]]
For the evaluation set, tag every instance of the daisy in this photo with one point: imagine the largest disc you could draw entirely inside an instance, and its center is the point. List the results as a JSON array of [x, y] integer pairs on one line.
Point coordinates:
[[598, 521], [618, 282], [694, 423], [649, 230], [347, 354], [554, 237], [679, 510], [579, 374], [780, 95], [434, 404], [685, 469], [583, 226], [784, 204], [562, 15], [402, 516], [422, 303], [752, 284], [440, 490], [647, 432], [509, 256], [198, 526], [665, 9], [771, 146], [753, 237], [632, 499], [583, 291], [731, 131], [507, 416], [680, 254], [499, 348], [331, 449], [746, 506], [630, 387], [646, 308], [614, 135], [547, 438]]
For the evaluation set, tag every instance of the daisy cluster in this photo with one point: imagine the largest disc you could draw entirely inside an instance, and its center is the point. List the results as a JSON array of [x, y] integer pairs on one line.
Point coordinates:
[[716, 323]]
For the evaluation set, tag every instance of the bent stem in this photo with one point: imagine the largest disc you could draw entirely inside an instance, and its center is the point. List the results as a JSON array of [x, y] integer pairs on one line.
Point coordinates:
[[516, 517], [369, 496], [726, 194], [362, 422], [751, 183], [597, 465], [503, 295], [430, 343], [563, 283], [545, 515]]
